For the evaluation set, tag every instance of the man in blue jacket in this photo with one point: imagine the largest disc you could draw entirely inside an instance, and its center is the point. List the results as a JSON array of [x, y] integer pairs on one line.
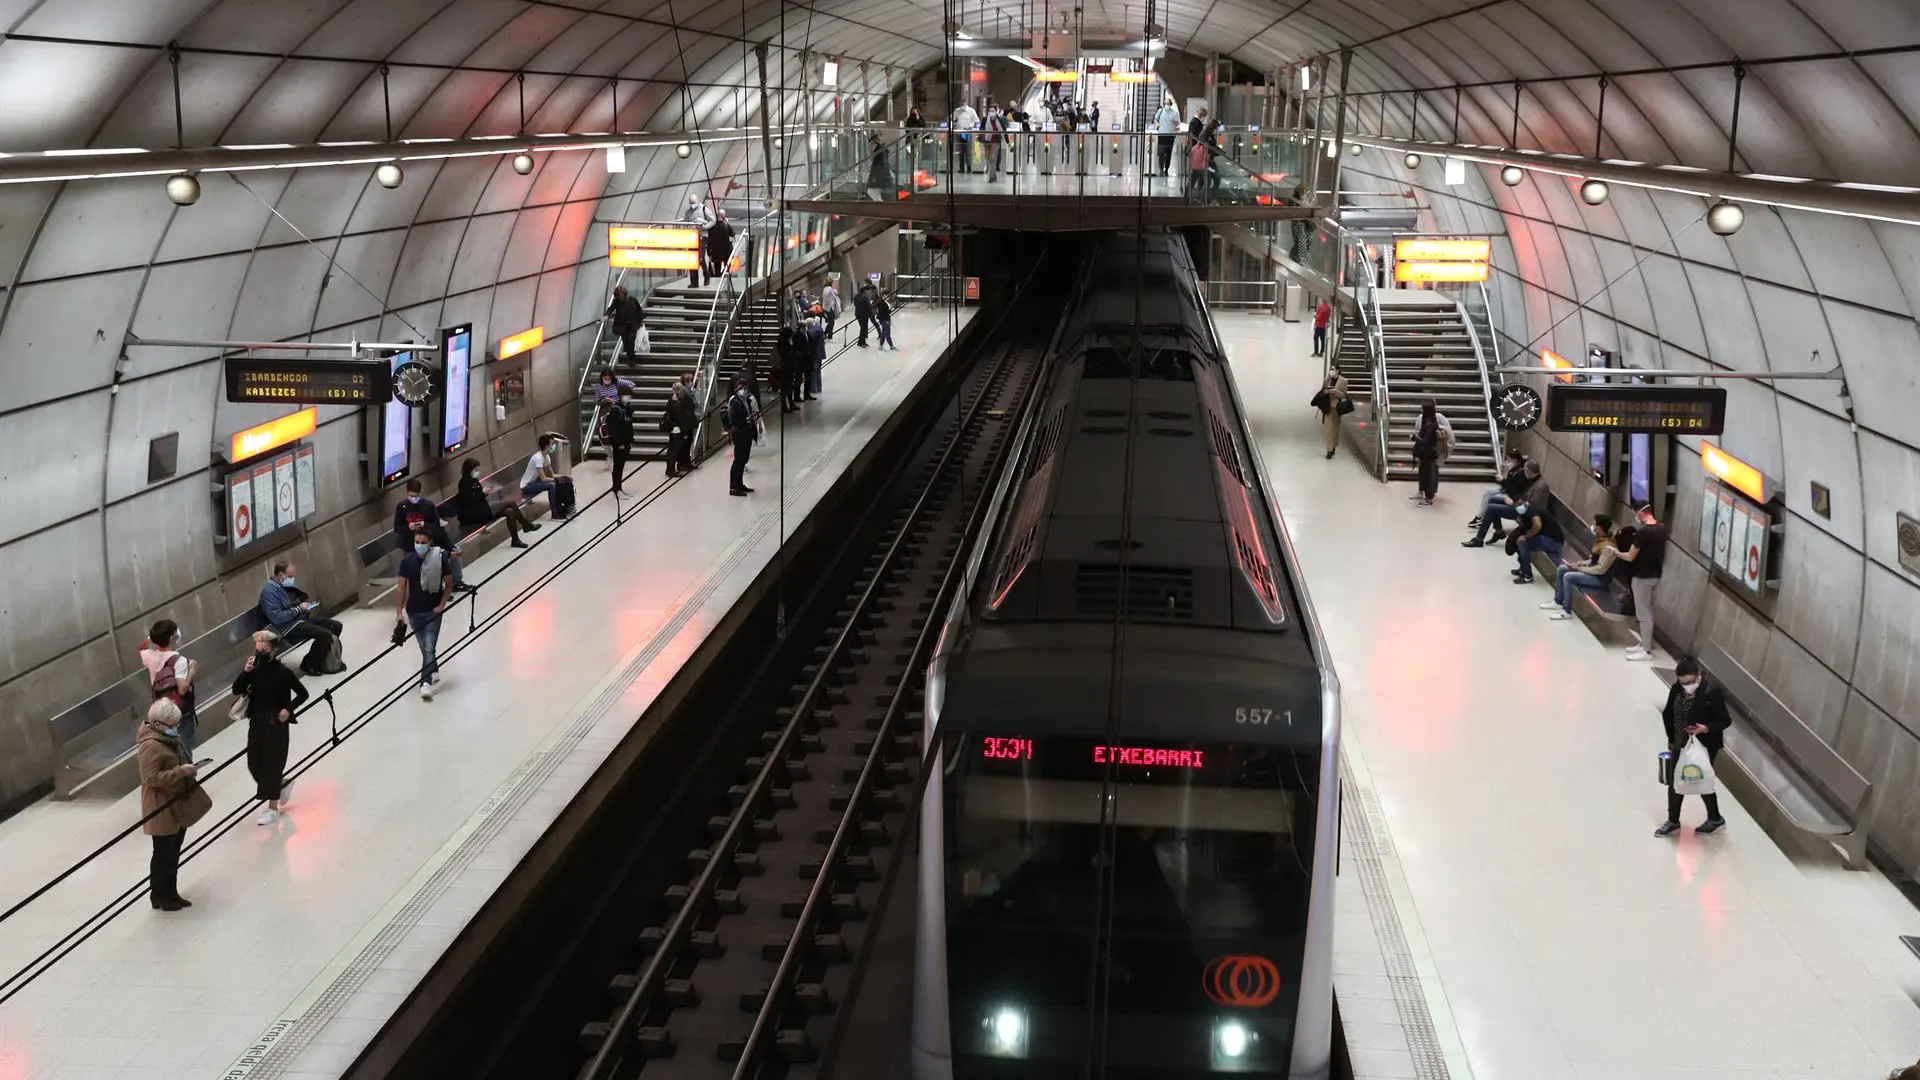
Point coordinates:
[[298, 618]]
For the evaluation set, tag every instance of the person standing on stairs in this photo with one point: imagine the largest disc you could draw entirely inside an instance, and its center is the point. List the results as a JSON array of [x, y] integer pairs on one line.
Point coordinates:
[[1322, 317], [1426, 452], [1333, 403], [697, 215], [719, 246], [627, 317], [620, 437]]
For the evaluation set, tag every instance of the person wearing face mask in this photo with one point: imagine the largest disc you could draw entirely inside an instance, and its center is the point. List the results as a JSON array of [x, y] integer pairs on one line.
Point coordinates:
[[417, 512], [619, 440], [476, 511], [297, 618], [170, 800], [740, 425], [1696, 709], [170, 677], [274, 693], [425, 588]]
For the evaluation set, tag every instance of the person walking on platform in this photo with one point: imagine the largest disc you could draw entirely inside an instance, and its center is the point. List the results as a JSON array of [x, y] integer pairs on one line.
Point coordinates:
[[1333, 402], [1695, 709], [540, 479], [424, 590], [883, 320], [739, 422], [170, 677], [697, 215], [1645, 560], [1166, 123], [830, 305], [274, 694], [1322, 318], [719, 246], [475, 511], [620, 437], [863, 309], [297, 618], [171, 800], [679, 420], [627, 318]]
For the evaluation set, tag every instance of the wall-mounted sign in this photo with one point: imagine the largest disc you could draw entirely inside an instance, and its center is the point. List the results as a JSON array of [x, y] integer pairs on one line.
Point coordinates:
[[273, 434], [1442, 250], [1733, 472], [973, 288], [456, 354], [267, 496], [240, 509], [1735, 536], [1057, 76], [652, 259], [523, 341], [1654, 410], [1129, 77], [307, 382], [653, 236], [1549, 358], [1408, 272], [1821, 499]]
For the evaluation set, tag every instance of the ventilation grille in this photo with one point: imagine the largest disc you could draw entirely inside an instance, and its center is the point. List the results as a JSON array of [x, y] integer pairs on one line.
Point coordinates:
[[1047, 441], [1223, 447], [1258, 573], [1152, 592], [1013, 563]]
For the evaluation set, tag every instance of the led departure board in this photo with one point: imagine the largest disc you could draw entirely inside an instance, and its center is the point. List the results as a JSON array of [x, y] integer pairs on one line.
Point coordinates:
[[308, 382], [1657, 410]]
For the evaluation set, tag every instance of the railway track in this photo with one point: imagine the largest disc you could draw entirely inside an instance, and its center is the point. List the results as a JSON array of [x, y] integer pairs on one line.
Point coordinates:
[[745, 974]]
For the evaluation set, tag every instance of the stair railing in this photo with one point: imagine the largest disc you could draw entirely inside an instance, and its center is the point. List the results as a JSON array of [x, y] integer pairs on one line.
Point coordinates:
[[601, 334], [1482, 352]]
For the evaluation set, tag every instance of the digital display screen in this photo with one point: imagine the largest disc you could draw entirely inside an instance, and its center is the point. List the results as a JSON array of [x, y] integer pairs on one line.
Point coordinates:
[[308, 382], [1008, 748], [1667, 410], [1639, 468], [457, 350], [396, 430]]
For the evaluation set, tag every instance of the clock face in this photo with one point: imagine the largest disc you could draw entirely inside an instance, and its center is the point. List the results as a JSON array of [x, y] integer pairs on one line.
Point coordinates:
[[413, 383], [1517, 406]]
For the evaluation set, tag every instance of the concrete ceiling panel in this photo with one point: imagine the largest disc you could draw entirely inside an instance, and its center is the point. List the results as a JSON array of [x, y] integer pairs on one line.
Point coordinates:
[[159, 546], [1877, 352], [148, 22], [1627, 293], [596, 45], [371, 27], [100, 225], [1794, 327], [1859, 132], [188, 301], [420, 323], [380, 208], [554, 179], [525, 32], [456, 31], [527, 247], [1889, 640], [57, 94], [228, 217], [318, 203], [1552, 262], [513, 310], [363, 116], [181, 400], [1901, 245], [455, 104], [457, 189], [213, 90], [62, 337], [1845, 259], [562, 105], [62, 603], [480, 249], [1676, 317], [358, 286], [22, 208], [1764, 249], [1583, 263], [425, 263], [1685, 218], [281, 293], [1640, 222], [1820, 449], [1895, 469], [58, 457], [273, 26], [295, 103], [570, 235]]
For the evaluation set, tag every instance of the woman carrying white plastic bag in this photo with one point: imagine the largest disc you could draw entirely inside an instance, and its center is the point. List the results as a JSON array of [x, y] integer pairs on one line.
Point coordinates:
[[1696, 720]]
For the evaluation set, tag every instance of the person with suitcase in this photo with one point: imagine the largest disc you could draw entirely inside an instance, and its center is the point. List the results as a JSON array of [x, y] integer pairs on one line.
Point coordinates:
[[539, 479]]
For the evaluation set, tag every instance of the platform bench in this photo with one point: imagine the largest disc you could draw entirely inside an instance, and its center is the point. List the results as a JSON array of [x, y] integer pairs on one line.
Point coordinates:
[[376, 554], [1812, 786], [1602, 608]]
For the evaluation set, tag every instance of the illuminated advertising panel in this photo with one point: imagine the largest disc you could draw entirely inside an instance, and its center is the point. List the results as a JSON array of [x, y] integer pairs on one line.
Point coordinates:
[[396, 432], [456, 347]]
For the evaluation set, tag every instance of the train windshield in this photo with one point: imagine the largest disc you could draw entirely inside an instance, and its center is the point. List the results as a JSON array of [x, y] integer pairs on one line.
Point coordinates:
[[1142, 905]]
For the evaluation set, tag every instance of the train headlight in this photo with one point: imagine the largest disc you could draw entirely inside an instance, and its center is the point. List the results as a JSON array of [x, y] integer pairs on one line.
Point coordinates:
[[1007, 1033], [1231, 1041]]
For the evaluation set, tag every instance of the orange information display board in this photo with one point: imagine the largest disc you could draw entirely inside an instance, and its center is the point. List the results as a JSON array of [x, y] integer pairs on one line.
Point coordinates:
[[1442, 250], [1405, 272], [274, 434], [652, 259], [973, 288], [521, 342]]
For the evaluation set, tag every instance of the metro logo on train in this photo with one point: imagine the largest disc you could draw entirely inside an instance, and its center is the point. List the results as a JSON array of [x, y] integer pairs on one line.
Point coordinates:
[[1241, 982]]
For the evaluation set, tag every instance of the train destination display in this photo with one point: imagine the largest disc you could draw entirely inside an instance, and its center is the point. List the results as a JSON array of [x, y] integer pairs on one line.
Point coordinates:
[[308, 382], [1657, 410]]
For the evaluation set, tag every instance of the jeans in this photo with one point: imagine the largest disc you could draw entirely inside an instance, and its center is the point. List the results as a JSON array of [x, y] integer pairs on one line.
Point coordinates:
[[1643, 592], [164, 866], [886, 334], [1319, 340], [543, 487], [426, 630], [832, 317], [1530, 544], [189, 727], [1568, 580], [813, 374], [1492, 510], [1674, 798]]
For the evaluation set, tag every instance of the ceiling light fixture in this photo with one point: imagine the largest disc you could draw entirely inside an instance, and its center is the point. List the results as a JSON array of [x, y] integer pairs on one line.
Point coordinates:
[[523, 163], [183, 189], [1725, 218], [389, 175], [1594, 192], [1512, 175], [1413, 160]]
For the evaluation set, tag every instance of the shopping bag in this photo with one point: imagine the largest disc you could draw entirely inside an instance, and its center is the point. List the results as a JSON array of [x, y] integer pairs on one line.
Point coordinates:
[[1693, 774], [643, 342]]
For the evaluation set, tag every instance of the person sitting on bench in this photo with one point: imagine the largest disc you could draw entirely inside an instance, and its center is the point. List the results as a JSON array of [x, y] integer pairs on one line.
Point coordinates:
[[1532, 490], [297, 617], [475, 511], [1594, 573], [1538, 532]]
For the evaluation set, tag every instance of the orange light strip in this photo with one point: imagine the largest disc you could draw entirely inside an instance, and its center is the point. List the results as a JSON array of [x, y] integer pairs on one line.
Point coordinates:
[[1439, 271], [652, 259], [521, 342], [1442, 250], [274, 434], [653, 236], [1733, 472], [1128, 77], [1549, 358], [1057, 76]]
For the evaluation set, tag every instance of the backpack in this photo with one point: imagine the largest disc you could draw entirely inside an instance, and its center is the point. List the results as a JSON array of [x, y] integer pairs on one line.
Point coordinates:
[[166, 684], [1443, 442], [1198, 158]]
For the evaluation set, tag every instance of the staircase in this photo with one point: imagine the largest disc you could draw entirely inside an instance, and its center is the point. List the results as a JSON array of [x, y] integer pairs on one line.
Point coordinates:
[[755, 332], [1430, 354], [1350, 359], [677, 323]]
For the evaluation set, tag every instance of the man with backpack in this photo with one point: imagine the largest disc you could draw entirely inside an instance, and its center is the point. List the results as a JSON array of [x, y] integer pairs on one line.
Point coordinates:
[[170, 676]]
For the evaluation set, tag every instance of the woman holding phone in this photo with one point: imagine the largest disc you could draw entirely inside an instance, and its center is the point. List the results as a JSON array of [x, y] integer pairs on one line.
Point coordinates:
[[274, 693], [170, 800]]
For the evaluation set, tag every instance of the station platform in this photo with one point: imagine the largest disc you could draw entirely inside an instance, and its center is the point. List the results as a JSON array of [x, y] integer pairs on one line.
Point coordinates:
[[1505, 912], [305, 936]]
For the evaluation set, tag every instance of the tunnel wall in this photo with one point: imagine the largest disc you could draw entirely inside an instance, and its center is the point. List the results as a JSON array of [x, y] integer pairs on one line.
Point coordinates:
[[1639, 276]]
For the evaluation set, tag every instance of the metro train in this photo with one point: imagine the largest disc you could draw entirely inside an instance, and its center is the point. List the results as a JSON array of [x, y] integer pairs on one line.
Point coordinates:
[[1128, 838]]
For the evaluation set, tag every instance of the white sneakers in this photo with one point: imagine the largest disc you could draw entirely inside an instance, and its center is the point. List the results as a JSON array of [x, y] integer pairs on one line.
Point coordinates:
[[1560, 616], [267, 817], [426, 691], [1549, 605], [1638, 653]]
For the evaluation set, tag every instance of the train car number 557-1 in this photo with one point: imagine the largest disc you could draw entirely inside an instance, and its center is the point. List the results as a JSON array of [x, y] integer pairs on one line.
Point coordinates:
[[1246, 715]]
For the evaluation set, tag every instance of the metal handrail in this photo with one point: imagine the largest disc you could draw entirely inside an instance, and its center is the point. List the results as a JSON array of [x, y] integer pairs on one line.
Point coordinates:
[[586, 370], [1486, 385]]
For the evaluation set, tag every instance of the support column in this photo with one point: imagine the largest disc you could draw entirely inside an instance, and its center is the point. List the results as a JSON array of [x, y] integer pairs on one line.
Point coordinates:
[[1340, 131]]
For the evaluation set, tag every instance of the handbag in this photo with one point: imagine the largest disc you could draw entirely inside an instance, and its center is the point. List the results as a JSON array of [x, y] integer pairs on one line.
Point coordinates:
[[194, 804], [1345, 406], [1693, 770], [237, 709]]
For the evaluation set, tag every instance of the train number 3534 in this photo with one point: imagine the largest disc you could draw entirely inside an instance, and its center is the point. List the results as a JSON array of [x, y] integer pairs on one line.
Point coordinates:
[[1247, 715]]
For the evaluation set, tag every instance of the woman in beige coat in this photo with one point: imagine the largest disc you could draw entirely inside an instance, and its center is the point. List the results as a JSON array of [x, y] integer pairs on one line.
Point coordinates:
[[1328, 402], [170, 800]]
